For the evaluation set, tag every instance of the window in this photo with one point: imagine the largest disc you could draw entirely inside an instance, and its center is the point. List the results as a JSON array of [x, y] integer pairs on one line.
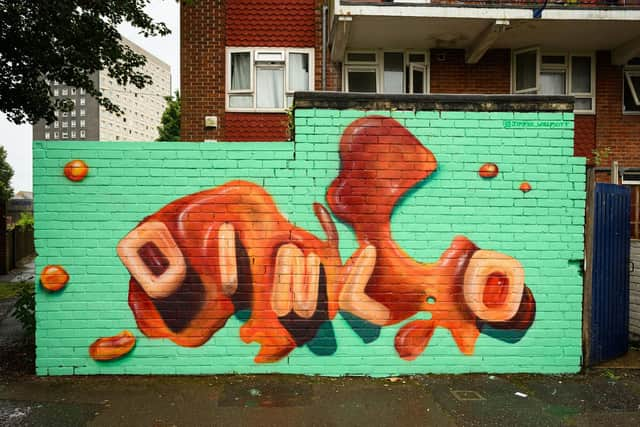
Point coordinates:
[[56, 92], [47, 135], [65, 114], [631, 87], [65, 124], [83, 101], [82, 134], [549, 73], [82, 123], [56, 135], [65, 135], [73, 134], [261, 79], [65, 91], [73, 113], [386, 72], [72, 91], [56, 124], [73, 123], [82, 91], [83, 112]]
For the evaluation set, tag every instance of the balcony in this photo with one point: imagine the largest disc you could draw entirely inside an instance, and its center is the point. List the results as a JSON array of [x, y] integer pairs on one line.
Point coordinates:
[[503, 3], [479, 25]]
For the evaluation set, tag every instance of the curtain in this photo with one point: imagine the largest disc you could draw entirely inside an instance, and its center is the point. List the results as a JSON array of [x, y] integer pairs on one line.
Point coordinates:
[[298, 71], [270, 87], [240, 71], [552, 83]]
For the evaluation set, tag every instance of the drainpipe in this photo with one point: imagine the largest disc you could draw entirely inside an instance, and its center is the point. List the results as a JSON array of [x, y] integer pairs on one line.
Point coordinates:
[[325, 8]]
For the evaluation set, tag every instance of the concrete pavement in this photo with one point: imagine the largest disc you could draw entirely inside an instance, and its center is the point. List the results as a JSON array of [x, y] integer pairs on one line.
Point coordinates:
[[598, 397]]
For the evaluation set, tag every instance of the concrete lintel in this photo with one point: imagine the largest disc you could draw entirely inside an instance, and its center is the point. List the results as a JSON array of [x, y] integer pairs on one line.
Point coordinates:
[[340, 37], [389, 102]]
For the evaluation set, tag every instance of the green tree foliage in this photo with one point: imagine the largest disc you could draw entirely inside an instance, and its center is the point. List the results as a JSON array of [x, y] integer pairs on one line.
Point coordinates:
[[25, 222], [6, 173], [169, 130], [66, 41]]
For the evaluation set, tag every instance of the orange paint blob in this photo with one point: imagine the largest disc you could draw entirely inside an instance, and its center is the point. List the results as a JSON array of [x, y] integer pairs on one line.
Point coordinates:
[[76, 170], [488, 170], [110, 348], [53, 278], [525, 187]]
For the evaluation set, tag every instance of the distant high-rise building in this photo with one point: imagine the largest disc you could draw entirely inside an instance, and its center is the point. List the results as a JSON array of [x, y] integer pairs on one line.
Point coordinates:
[[142, 108]]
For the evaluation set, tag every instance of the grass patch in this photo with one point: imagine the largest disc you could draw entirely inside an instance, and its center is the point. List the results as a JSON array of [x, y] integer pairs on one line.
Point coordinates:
[[10, 290]]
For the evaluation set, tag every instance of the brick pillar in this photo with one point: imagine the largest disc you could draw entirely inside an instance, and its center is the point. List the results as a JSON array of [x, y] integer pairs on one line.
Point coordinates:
[[202, 68]]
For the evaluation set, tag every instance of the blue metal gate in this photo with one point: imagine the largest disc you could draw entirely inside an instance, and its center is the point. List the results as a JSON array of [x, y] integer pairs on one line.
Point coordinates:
[[610, 277]]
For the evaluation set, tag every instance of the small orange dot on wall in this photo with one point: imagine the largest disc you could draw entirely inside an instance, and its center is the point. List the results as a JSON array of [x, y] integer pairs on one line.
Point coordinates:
[[488, 170], [525, 187], [76, 170], [53, 278]]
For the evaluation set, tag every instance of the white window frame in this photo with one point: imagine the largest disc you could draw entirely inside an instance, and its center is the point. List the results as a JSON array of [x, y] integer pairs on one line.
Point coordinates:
[[515, 53], [591, 94], [378, 66], [365, 68], [566, 69], [254, 64], [628, 72]]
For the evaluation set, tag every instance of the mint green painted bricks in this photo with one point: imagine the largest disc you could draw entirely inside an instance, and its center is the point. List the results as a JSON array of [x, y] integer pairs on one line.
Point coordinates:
[[79, 225]]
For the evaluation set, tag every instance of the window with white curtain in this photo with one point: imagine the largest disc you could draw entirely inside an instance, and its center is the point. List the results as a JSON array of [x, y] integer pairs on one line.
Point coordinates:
[[265, 79], [549, 73]]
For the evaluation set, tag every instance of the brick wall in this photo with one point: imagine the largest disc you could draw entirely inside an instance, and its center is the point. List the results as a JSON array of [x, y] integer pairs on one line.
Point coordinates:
[[224, 257], [615, 130], [213, 25], [585, 135], [450, 74], [202, 68]]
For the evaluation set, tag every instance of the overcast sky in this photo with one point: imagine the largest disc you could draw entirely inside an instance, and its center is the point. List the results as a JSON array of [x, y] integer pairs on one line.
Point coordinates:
[[17, 139]]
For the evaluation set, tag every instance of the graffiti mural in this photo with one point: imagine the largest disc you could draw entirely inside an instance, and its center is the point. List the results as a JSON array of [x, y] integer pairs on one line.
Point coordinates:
[[221, 252]]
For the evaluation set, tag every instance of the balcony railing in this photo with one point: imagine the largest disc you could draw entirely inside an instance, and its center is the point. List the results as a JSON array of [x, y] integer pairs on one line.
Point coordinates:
[[506, 3]]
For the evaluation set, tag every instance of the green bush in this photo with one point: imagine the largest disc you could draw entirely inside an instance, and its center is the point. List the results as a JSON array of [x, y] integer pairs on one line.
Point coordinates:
[[24, 309]]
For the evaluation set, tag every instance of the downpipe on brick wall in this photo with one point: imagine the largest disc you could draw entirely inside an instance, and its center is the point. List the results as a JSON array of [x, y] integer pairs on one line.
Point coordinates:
[[325, 8]]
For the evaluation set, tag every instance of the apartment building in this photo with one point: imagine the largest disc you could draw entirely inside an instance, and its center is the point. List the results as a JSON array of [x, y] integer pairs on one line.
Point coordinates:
[[142, 108], [243, 60]]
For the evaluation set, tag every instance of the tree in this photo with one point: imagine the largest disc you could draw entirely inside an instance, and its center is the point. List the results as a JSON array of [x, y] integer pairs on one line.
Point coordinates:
[[170, 121], [42, 41], [6, 173]]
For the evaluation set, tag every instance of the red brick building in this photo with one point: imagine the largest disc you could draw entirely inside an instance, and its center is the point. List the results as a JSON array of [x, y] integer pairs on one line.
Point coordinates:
[[242, 60]]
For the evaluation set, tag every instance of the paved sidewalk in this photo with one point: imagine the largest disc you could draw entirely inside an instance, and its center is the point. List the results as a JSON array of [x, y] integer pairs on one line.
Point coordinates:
[[599, 397], [24, 272]]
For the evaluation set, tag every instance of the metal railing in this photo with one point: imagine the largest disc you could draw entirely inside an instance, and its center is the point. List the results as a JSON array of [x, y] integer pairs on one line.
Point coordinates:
[[510, 3]]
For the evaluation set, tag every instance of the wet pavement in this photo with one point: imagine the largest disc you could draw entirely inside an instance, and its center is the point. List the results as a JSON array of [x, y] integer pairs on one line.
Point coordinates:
[[597, 397], [24, 271]]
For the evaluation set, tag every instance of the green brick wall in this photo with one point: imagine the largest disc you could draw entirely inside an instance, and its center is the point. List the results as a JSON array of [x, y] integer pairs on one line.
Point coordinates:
[[79, 224]]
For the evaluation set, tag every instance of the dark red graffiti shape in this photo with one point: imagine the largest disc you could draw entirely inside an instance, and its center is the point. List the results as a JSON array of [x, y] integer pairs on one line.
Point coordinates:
[[206, 256]]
